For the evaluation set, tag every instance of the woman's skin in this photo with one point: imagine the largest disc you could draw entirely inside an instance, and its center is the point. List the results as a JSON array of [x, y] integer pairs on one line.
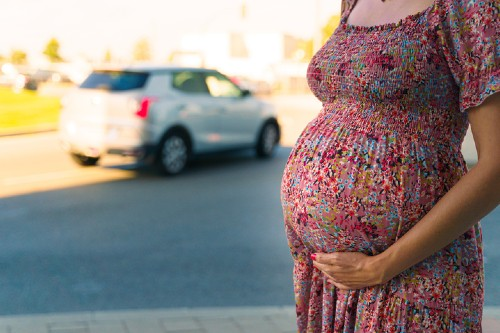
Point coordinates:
[[376, 12], [474, 196]]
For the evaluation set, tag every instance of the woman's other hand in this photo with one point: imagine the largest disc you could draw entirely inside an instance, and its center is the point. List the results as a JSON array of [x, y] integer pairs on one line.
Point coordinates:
[[351, 270]]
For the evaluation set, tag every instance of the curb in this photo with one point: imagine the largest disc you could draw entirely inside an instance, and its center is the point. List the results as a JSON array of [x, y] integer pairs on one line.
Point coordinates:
[[266, 319], [28, 130], [183, 320]]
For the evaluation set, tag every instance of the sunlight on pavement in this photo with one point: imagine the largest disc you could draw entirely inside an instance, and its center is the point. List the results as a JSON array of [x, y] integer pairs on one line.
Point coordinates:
[[49, 181]]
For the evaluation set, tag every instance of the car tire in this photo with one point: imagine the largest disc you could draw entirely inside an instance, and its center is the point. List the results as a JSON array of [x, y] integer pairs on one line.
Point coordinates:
[[267, 140], [84, 160], [173, 153]]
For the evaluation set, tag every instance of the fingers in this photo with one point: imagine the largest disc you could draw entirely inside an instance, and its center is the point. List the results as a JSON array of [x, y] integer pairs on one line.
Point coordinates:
[[325, 258], [336, 269], [344, 275], [334, 279], [339, 285], [326, 264], [346, 270], [330, 273], [325, 268]]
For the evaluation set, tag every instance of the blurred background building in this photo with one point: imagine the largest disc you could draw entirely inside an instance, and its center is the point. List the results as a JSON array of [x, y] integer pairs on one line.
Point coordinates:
[[263, 62], [265, 46]]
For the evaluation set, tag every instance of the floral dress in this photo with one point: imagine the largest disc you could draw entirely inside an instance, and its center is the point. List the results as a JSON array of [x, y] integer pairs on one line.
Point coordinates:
[[383, 150]]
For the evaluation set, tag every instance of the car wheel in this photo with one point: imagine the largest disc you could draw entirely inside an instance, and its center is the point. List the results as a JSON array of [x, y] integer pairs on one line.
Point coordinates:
[[84, 160], [173, 154], [268, 139]]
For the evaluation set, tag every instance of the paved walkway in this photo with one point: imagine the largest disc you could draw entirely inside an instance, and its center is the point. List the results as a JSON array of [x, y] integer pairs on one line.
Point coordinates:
[[206, 320]]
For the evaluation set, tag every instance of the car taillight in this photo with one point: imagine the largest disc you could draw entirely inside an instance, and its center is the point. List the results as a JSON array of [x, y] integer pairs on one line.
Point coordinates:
[[144, 105]]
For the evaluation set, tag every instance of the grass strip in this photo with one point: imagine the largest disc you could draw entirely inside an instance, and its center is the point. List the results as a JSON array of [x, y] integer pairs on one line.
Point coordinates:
[[27, 110]]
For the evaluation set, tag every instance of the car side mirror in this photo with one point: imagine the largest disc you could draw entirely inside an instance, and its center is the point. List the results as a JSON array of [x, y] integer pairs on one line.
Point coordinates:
[[245, 93]]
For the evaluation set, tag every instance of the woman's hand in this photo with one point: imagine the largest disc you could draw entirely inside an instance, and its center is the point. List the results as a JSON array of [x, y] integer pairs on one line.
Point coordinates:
[[350, 270]]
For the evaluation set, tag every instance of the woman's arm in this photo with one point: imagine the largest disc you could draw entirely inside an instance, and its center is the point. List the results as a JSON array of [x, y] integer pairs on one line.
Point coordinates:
[[473, 196]]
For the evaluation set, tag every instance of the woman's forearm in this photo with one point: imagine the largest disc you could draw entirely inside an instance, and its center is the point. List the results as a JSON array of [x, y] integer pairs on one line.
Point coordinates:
[[473, 197]]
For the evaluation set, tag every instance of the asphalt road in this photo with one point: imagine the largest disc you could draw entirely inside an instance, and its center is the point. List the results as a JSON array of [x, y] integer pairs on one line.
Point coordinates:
[[116, 237], [210, 237]]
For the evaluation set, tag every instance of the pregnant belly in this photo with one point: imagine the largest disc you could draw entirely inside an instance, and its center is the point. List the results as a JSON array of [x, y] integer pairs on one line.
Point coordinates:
[[346, 191]]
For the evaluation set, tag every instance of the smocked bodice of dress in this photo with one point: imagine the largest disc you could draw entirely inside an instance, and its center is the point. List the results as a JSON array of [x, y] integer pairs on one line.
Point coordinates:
[[392, 78]]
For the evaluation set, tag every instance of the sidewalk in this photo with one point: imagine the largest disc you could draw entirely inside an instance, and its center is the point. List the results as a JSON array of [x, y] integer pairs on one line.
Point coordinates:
[[205, 320]]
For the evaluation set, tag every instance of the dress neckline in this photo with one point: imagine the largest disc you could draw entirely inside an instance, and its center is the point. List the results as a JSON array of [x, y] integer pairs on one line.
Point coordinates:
[[408, 20]]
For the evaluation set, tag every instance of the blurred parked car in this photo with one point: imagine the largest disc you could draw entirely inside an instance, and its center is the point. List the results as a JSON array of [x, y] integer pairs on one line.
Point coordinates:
[[163, 116], [32, 80]]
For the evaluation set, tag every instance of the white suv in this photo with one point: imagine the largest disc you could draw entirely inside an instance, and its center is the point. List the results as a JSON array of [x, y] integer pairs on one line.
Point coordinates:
[[163, 115]]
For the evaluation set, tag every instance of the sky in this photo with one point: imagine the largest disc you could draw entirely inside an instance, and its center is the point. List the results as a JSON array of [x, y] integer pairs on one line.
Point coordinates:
[[87, 28]]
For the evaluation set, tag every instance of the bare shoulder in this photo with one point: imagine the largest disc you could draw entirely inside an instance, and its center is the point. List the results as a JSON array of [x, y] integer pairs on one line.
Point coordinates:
[[376, 12]]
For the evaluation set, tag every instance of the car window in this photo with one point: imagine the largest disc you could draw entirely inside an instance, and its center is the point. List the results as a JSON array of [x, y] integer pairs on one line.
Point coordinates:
[[115, 80], [221, 86], [189, 82]]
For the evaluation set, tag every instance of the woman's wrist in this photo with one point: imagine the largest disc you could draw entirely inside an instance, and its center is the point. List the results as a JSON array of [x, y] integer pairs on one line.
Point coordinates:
[[383, 266]]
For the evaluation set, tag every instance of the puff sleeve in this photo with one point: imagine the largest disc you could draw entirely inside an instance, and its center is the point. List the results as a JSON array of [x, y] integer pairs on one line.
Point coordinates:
[[469, 31]]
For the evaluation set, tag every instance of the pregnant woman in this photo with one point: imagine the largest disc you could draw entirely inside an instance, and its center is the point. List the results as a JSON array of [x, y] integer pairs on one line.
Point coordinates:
[[381, 214]]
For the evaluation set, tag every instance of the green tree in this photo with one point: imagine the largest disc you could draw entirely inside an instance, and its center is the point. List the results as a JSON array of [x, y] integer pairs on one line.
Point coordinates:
[[142, 51], [52, 50], [18, 57]]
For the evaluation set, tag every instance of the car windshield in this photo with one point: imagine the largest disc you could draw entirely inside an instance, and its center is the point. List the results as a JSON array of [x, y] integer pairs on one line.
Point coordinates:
[[115, 80]]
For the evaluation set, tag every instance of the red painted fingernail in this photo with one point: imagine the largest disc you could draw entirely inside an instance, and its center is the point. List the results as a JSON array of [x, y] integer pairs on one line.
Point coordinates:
[[313, 256]]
